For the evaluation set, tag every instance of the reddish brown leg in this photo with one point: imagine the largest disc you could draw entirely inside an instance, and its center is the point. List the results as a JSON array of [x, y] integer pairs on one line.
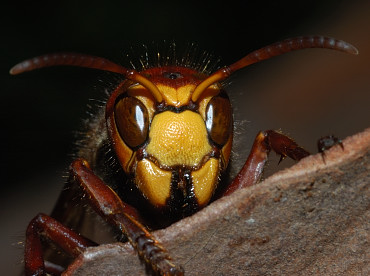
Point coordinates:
[[43, 225], [108, 205], [265, 141]]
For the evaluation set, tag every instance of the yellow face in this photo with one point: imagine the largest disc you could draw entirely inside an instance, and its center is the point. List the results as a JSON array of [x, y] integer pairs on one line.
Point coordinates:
[[175, 150]]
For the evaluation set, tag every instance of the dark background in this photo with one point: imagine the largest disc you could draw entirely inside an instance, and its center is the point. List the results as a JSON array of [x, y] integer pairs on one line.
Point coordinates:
[[307, 94]]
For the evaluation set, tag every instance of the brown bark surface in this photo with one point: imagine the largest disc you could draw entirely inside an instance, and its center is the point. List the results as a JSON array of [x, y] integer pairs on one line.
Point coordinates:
[[310, 219]]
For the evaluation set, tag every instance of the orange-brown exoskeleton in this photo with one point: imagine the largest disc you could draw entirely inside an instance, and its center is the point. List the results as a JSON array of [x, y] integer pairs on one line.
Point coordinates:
[[161, 149]]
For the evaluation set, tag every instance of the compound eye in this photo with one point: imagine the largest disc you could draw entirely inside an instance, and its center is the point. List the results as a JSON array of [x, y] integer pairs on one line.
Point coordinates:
[[132, 121], [219, 120]]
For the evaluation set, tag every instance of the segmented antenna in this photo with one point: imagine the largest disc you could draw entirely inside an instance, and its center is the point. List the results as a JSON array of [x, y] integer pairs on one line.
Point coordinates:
[[275, 49], [87, 61]]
